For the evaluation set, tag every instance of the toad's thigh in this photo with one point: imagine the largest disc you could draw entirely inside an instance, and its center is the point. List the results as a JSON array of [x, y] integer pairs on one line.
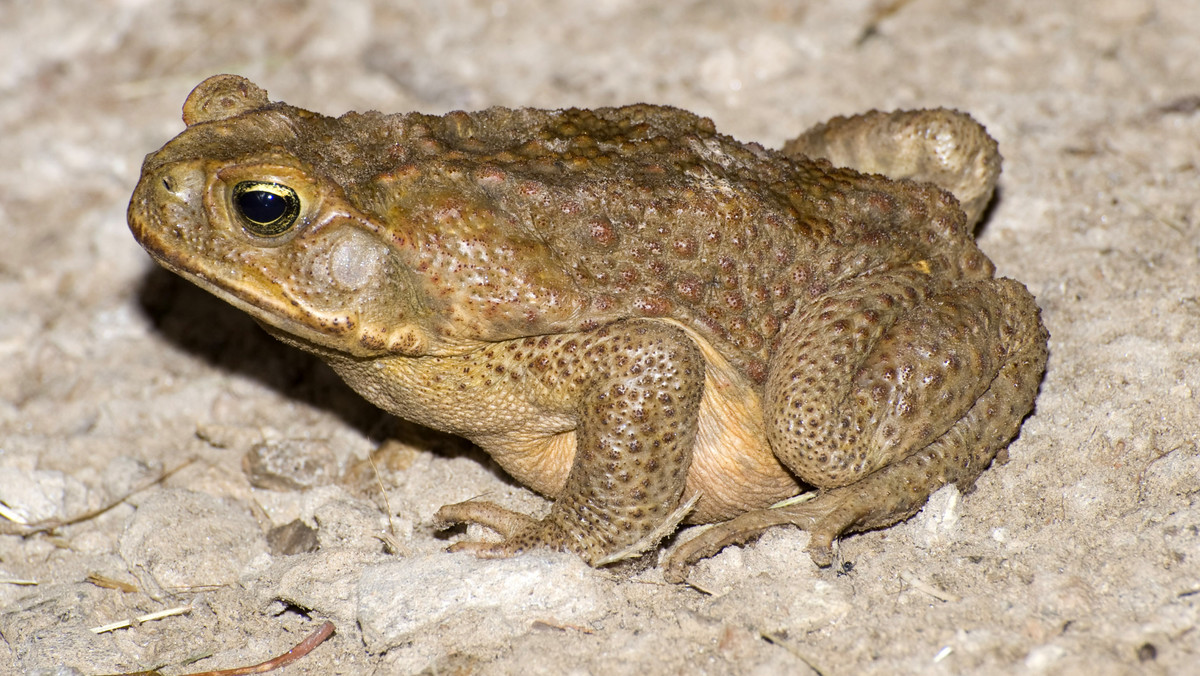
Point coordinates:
[[834, 418]]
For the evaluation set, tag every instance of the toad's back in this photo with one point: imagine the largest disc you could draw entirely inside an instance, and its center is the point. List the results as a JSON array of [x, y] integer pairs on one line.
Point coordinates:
[[643, 211]]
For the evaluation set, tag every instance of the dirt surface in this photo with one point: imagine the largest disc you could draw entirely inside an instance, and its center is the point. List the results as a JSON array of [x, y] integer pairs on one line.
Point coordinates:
[[1081, 554]]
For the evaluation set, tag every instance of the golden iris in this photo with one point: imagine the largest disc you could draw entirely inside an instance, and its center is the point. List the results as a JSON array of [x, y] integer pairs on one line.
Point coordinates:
[[267, 209]]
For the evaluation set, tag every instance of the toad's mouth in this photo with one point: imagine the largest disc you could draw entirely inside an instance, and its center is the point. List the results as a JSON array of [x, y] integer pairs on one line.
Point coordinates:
[[279, 316]]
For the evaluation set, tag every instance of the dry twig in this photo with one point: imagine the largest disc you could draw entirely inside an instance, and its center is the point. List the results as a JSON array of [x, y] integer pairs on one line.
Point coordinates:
[[302, 648], [14, 527], [922, 586], [776, 639], [158, 615]]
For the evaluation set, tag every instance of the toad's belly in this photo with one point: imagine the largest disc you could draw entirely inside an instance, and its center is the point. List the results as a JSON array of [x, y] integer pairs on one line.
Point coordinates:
[[733, 469]]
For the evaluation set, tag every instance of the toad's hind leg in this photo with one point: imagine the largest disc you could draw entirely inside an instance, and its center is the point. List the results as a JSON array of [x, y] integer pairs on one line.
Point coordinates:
[[941, 388], [945, 147]]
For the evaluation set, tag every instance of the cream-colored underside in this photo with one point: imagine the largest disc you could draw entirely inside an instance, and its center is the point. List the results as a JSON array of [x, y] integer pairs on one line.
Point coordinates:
[[733, 469]]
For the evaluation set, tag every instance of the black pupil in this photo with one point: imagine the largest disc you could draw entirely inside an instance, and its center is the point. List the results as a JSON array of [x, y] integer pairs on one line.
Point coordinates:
[[261, 206]]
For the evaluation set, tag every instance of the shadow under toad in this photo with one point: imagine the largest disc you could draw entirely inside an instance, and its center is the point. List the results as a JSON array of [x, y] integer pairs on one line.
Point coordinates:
[[201, 324]]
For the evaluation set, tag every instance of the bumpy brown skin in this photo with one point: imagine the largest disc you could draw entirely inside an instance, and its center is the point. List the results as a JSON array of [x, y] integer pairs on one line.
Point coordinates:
[[636, 316]]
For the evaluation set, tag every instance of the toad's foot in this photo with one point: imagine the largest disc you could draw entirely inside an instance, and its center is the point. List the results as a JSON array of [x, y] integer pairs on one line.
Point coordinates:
[[825, 517], [519, 531]]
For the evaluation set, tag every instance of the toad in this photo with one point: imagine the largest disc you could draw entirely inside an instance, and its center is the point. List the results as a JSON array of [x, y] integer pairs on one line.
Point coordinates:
[[644, 320]]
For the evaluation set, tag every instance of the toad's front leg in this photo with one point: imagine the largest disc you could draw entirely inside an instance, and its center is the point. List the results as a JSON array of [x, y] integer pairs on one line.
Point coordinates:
[[634, 390]]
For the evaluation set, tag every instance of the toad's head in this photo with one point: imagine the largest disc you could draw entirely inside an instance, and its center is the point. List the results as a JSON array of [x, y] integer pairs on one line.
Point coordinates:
[[249, 203]]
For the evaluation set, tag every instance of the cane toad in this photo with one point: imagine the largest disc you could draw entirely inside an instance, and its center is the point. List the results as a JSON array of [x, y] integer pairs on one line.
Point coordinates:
[[638, 317]]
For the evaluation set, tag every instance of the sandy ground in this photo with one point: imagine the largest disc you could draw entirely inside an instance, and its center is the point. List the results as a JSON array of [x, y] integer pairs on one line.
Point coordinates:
[[1081, 554]]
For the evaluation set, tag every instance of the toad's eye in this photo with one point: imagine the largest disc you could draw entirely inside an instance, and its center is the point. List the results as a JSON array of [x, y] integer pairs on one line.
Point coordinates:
[[267, 209]]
